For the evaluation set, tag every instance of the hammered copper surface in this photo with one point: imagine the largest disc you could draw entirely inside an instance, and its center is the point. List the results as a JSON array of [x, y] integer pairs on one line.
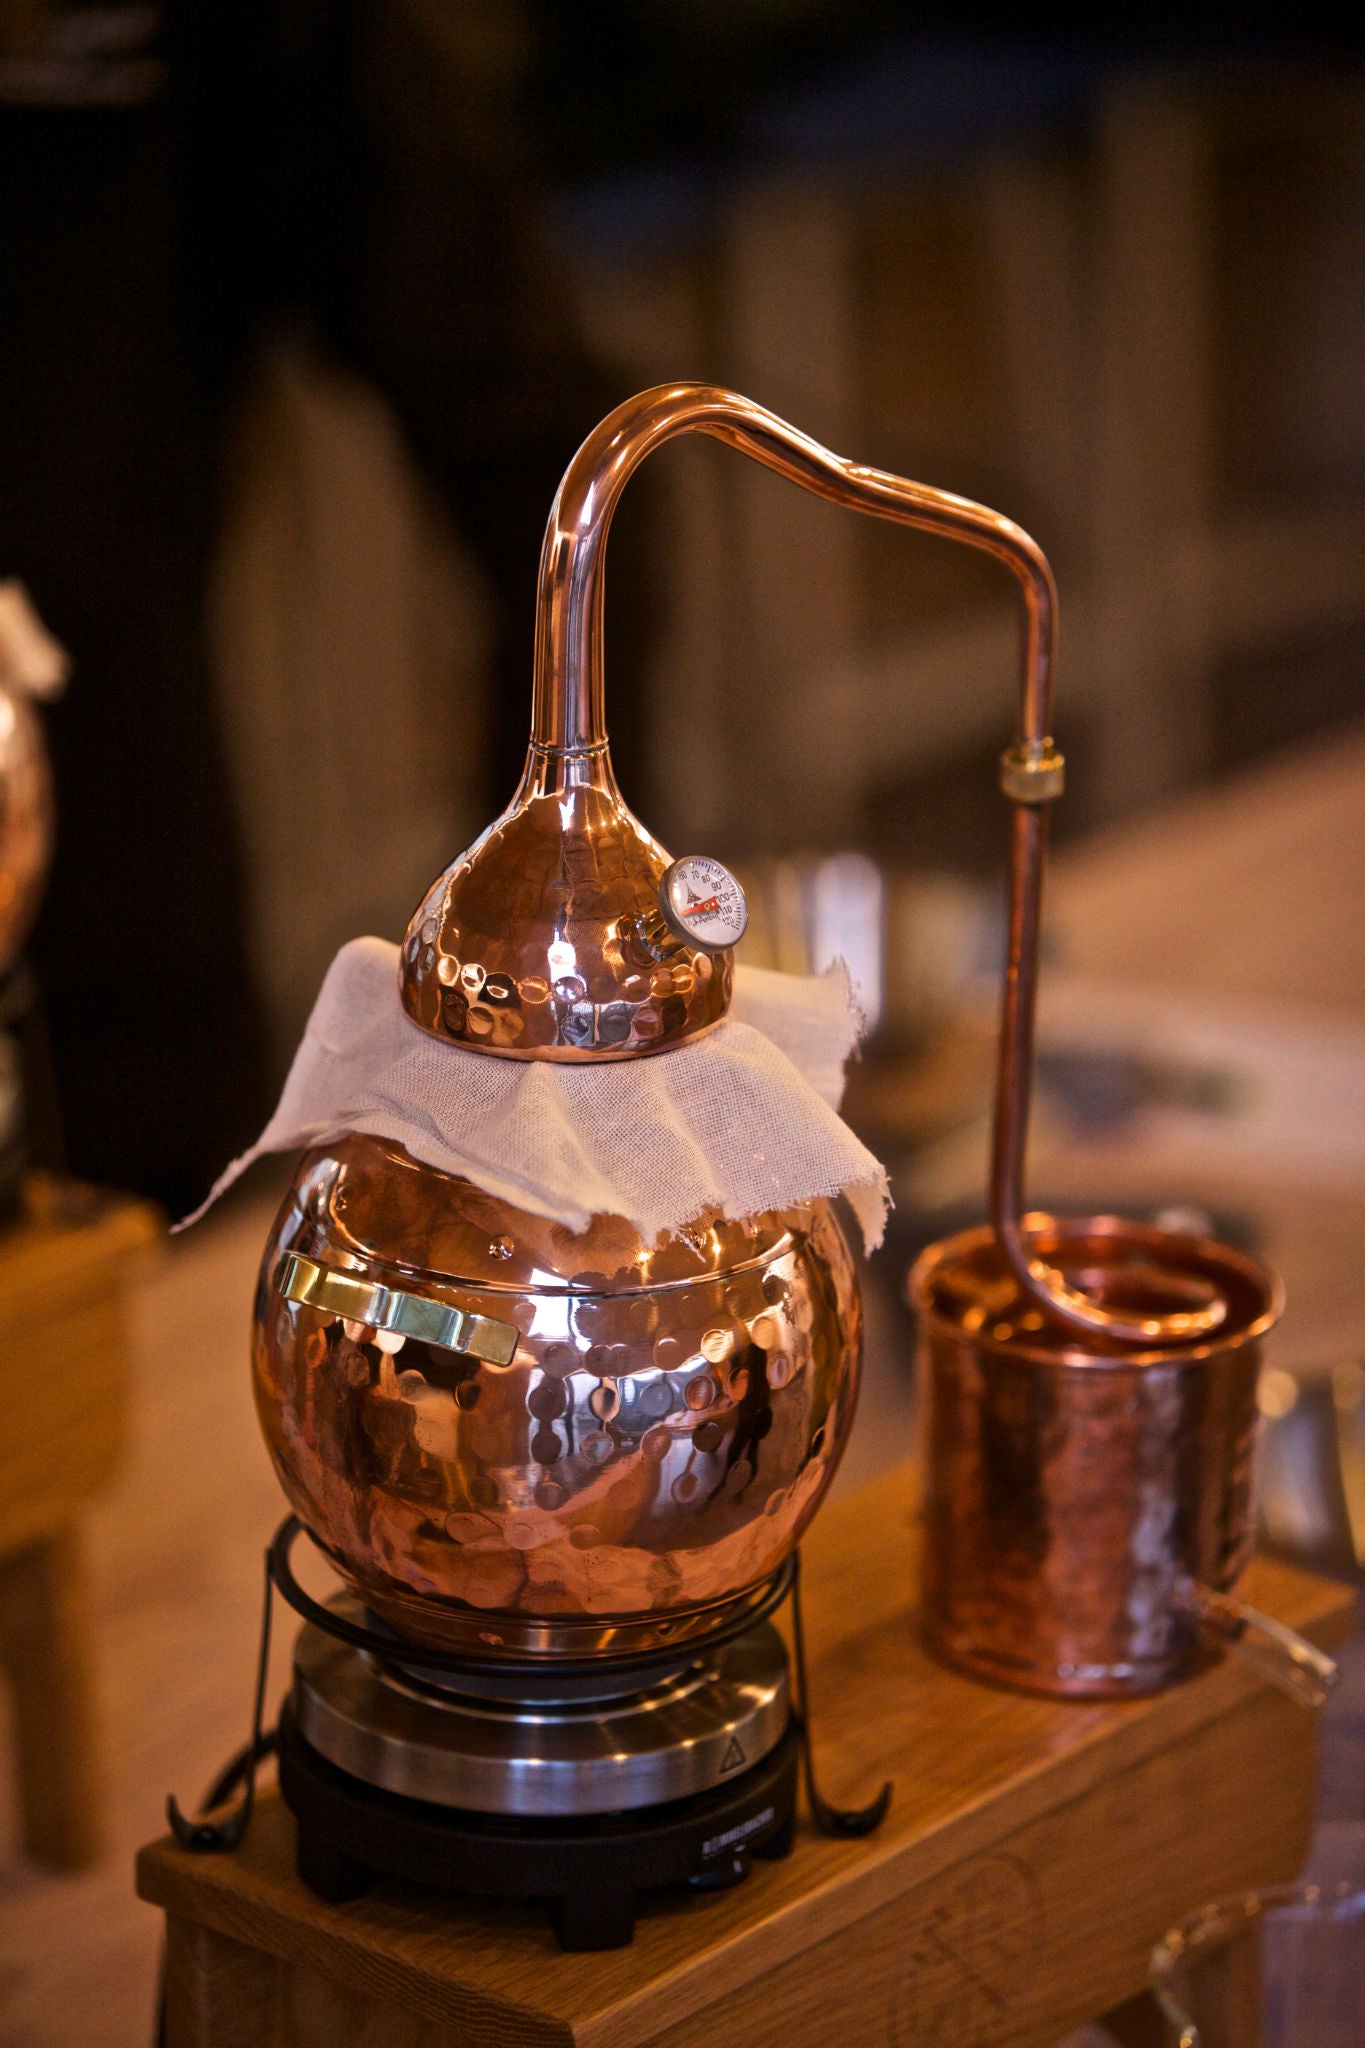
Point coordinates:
[[546, 940], [25, 819], [1075, 1497], [670, 1422]]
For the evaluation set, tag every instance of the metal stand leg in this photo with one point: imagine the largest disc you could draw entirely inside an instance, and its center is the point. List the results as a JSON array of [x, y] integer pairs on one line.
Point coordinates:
[[831, 1820]]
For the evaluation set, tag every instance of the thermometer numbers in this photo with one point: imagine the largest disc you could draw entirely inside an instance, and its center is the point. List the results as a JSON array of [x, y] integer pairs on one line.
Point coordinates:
[[703, 903]]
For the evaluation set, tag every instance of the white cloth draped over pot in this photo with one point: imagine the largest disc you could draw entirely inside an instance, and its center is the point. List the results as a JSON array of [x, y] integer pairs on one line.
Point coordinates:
[[742, 1119]]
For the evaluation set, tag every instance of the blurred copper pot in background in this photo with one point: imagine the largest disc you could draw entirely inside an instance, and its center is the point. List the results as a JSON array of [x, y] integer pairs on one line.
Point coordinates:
[[25, 818]]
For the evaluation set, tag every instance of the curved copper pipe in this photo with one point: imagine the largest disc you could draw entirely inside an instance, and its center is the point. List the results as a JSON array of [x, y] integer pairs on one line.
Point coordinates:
[[568, 719], [567, 713]]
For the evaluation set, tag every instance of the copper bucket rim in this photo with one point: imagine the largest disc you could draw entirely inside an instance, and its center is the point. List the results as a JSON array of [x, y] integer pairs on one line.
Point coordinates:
[[1142, 1236]]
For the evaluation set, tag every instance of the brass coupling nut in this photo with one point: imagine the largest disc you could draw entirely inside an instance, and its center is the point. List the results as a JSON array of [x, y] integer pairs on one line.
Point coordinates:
[[1032, 772]]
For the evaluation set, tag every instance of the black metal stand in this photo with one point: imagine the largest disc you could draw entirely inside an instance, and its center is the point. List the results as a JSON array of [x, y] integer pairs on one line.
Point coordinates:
[[831, 1820], [211, 1836]]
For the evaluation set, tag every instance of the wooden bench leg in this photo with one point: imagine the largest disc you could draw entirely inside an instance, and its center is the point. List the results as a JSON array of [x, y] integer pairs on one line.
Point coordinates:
[[218, 1993], [45, 1651]]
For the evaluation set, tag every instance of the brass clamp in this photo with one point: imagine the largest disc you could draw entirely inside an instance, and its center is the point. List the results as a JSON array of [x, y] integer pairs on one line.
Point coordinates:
[[357, 1300], [1033, 772]]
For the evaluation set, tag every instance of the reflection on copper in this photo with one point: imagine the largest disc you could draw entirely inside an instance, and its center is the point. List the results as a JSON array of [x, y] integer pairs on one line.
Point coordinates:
[[546, 940], [1077, 1495], [670, 1421]]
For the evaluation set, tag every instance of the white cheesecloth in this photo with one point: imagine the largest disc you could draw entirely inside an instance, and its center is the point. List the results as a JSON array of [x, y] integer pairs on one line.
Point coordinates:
[[742, 1119]]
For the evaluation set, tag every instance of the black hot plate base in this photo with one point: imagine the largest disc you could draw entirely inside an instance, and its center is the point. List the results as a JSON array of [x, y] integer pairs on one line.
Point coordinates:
[[590, 1870]]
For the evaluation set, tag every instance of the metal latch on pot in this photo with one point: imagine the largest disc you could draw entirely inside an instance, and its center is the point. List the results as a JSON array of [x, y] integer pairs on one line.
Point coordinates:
[[358, 1300]]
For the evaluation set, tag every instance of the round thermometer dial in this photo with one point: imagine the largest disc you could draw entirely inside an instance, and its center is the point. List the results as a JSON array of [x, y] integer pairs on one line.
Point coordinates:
[[703, 903]]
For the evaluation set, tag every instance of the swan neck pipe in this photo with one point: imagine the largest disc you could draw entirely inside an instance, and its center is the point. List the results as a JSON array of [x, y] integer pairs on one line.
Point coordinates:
[[568, 705], [569, 732]]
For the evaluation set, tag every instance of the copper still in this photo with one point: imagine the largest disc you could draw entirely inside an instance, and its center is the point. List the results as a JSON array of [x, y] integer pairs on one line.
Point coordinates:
[[516, 1440], [636, 1443], [517, 1443], [564, 1474]]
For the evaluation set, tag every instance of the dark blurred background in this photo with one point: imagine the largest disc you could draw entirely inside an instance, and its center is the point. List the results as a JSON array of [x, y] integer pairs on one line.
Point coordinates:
[[306, 305]]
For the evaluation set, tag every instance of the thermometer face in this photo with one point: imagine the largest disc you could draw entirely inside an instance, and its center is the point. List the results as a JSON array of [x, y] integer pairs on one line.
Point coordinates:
[[703, 903]]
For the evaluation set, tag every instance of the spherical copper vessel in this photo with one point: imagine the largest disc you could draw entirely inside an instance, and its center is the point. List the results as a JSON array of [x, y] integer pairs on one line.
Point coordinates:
[[669, 1422]]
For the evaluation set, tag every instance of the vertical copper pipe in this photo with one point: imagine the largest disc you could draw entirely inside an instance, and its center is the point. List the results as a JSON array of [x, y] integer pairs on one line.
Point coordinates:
[[568, 723], [1044, 1284]]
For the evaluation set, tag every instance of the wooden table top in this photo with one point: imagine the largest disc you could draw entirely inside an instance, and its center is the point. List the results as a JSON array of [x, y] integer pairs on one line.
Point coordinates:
[[970, 1764], [1252, 888]]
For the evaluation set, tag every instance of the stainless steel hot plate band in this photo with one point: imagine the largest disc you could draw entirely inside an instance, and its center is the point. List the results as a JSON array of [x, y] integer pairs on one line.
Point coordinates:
[[686, 1736]]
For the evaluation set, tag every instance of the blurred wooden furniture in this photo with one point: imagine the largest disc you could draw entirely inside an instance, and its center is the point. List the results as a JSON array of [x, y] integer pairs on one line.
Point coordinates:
[[1074, 326], [1032, 1854], [65, 1268]]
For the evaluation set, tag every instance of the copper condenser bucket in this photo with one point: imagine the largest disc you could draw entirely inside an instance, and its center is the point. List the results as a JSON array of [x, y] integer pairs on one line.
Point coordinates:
[[1088, 1388], [1089, 1507]]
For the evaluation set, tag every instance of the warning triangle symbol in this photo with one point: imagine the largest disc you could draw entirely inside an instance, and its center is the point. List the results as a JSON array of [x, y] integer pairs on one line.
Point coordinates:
[[733, 1757]]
